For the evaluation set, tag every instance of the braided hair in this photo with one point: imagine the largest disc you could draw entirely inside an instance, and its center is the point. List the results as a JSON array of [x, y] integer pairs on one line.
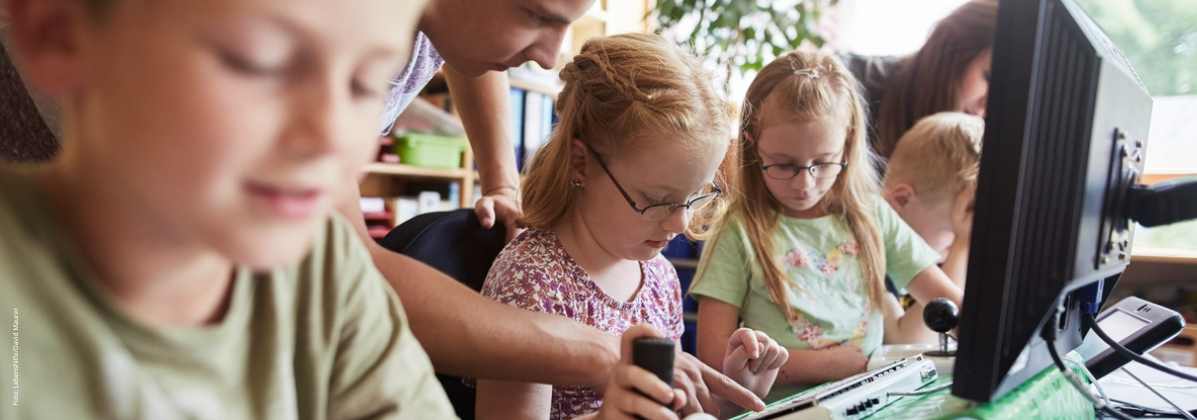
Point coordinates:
[[623, 94]]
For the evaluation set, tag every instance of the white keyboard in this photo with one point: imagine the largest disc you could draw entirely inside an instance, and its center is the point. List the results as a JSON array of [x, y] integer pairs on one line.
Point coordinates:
[[857, 396], [890, 353]]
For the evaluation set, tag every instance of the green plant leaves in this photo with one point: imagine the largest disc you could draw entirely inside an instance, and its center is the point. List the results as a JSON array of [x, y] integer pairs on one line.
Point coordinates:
[[744, 32]]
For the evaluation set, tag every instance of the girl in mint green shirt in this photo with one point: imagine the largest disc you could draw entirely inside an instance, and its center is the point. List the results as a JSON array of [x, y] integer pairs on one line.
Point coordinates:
[[808, 242]]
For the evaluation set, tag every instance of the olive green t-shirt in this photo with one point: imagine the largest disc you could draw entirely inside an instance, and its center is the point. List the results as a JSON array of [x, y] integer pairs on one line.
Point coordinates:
[[822, 257], [323, 339]]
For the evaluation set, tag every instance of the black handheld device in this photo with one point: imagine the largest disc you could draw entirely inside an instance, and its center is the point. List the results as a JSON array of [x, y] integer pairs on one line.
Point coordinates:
[[1139, 325], [654, 355]]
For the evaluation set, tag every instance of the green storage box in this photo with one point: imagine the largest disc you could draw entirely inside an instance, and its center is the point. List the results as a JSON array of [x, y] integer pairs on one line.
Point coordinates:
[[430, 151]]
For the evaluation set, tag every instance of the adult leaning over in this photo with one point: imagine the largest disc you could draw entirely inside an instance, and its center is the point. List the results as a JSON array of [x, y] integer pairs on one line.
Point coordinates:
[[464, 334], [949, 73]]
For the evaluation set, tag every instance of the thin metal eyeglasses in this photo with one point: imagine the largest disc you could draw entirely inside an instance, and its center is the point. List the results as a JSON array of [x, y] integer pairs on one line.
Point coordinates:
[[785, 171], [660, 211]]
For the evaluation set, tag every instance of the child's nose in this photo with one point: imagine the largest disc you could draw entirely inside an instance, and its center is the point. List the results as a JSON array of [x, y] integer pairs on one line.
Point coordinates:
[[803, 180], [319, 121], [677, 221]]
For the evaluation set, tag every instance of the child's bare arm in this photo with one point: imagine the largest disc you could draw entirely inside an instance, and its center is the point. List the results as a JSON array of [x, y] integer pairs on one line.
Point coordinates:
[[717, 320], [503, 400], [905, 326], [818, 366], [955, 265], [932, 283]]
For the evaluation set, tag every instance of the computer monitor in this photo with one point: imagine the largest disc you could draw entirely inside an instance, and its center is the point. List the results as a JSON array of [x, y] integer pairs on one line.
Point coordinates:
[[1065, 131]]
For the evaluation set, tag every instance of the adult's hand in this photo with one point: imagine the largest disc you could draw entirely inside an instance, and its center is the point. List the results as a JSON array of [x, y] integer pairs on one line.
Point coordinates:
[[635, 392], [500, 205], [484, 103]]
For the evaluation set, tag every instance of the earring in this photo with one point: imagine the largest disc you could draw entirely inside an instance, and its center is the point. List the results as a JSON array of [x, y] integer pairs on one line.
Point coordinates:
[[575, 183]]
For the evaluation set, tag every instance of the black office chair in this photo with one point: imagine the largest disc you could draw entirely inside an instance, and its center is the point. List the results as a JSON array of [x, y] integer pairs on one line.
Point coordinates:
[[455, 243]]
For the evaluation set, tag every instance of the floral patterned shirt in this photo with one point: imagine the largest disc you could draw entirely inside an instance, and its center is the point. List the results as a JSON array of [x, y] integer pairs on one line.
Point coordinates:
[[822, 258], [534, 272]]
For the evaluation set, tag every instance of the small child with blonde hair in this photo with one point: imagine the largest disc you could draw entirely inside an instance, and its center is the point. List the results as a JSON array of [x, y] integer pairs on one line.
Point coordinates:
[[931, 182]]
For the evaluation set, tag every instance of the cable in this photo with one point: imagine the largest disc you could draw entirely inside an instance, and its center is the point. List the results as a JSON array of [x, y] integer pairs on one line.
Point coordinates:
[[931, 390], [1118, 347], [1096, 383], [1182, 411], [1049, 337], [1145, 410]]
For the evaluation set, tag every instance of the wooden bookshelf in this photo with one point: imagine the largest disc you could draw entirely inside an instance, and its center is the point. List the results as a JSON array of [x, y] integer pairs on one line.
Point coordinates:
[[416, 171], [605, 17], [390, 179]]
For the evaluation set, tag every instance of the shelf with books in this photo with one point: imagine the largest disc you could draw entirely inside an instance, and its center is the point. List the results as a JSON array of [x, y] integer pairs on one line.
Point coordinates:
[[395, 179], [426, 151]]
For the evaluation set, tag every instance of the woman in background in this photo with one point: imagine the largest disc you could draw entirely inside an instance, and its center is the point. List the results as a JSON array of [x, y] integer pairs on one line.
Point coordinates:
[[949, 73]]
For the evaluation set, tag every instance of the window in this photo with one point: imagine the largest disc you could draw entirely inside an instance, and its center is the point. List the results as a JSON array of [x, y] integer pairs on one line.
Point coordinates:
[[1159, 37], [888, 27]]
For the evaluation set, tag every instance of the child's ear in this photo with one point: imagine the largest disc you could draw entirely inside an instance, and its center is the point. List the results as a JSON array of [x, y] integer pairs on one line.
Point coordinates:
[[577, 159], [48, 37], [900, 195]]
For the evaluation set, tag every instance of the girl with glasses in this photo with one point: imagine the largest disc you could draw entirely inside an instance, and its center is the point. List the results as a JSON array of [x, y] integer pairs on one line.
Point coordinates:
[[631, 165], [808, 241]]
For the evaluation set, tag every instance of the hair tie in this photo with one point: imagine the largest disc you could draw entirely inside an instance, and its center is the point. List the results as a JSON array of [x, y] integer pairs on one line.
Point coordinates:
[[813, 73]]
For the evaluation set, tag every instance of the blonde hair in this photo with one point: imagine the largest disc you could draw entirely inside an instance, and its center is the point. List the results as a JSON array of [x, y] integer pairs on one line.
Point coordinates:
[[939, 156], [790, 85], [928, 81], [622, 92]]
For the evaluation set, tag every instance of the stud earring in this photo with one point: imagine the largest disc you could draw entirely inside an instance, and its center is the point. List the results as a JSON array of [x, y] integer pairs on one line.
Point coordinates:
[[575, 184]]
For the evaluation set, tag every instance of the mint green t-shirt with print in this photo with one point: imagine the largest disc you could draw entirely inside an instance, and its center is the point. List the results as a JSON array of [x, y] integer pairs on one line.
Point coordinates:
[[322, 339], [822, 257]]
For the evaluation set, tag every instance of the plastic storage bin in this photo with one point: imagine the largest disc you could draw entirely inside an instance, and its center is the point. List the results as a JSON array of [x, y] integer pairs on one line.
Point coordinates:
[[430, 151]]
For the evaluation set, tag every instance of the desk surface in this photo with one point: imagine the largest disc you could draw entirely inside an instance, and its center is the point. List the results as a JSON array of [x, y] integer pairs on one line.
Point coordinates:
[[1046, 395], [1119, 385]]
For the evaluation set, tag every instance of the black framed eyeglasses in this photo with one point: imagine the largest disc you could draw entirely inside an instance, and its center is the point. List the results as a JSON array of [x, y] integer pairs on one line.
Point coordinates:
[[785, 171], [660, 211]]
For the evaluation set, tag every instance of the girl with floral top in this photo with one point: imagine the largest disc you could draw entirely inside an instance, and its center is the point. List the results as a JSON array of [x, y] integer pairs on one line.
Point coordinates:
[[808, 241], [641, 136]]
